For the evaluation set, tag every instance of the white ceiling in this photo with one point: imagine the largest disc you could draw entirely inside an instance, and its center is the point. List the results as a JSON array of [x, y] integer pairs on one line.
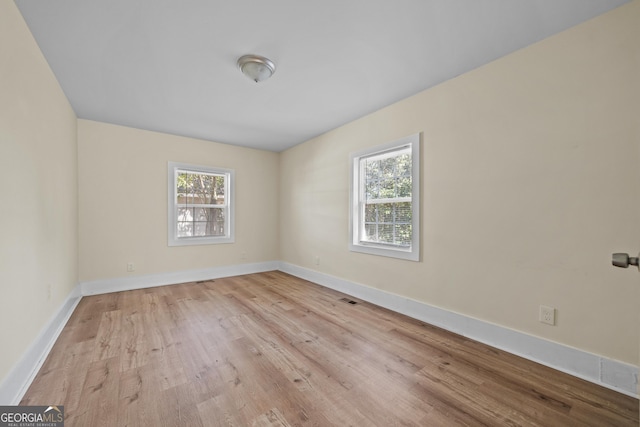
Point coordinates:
[[170, 65]]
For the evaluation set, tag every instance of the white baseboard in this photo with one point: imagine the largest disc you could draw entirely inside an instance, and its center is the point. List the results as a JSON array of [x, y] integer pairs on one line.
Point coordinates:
[[16, 383], [613, 374], [18, 380], [96, 287], [609, 373]]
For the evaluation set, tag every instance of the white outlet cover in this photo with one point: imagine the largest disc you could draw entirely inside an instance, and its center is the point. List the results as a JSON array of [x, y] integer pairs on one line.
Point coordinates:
[[547, 315]]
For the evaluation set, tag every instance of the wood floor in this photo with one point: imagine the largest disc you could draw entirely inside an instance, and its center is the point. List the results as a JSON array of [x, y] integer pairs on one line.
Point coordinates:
[[269, 349]]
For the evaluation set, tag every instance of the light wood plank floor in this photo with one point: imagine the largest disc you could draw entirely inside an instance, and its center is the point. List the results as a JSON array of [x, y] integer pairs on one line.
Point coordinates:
[[269, 349]]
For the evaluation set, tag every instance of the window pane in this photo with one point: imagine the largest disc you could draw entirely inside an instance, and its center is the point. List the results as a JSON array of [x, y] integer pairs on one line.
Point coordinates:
[[194, 188], [372, 169], [185, 229], [199, 229], [403, 234], [370, 213], [210, 228], [181, 188], [388, 223], [403, 165], [372, 190], [185, 222], [370, 231], [403, 212], [200, 222], [189, 187], [388, 167], [385, 233], [185, 214], [219, 188], [215, 221], [387, 190], [403, 186], [202, 186], [385, 212], [387, 178]]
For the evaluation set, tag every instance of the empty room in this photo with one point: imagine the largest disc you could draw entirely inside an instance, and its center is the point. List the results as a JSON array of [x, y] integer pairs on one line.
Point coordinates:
[[360, 213]]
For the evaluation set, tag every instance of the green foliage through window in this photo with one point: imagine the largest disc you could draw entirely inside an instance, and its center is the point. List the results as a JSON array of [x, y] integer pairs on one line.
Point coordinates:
[[200, 203], [386, 201]]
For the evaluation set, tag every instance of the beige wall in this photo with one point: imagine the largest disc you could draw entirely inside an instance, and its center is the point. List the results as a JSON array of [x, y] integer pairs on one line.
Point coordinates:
[[529, 169], [38, 184], [123, 202]]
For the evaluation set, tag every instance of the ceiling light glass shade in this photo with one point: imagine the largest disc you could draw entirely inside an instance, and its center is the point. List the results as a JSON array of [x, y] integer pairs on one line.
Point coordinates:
[[257, 68]]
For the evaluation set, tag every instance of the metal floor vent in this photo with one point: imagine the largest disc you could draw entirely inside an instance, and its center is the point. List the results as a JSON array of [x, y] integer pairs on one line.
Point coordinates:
[[349, 301]]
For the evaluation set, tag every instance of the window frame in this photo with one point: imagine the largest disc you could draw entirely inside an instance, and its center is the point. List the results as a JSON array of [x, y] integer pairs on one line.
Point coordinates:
[[174, 168], [357, 201]]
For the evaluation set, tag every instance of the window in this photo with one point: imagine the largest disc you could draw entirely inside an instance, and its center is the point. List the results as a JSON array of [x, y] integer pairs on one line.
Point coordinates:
[[200, 205], [385, 203]]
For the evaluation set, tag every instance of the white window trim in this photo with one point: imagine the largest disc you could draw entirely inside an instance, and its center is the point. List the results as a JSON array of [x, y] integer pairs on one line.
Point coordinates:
[[355, 196], [173, 240]]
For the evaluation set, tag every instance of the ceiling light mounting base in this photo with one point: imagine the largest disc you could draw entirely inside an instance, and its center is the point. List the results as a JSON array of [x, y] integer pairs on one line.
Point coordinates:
[[256, 67]]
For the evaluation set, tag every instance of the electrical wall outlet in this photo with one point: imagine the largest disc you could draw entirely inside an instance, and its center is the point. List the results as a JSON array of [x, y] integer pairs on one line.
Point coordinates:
[[547, 315], [131, 267], [316, 260]]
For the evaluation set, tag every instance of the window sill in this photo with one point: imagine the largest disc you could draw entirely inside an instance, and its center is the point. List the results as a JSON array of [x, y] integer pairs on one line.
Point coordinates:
[[406, 254], [191, 241]]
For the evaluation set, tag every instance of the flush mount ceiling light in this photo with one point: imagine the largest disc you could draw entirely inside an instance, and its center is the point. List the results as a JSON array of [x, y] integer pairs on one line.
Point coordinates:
[[257, 68]]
